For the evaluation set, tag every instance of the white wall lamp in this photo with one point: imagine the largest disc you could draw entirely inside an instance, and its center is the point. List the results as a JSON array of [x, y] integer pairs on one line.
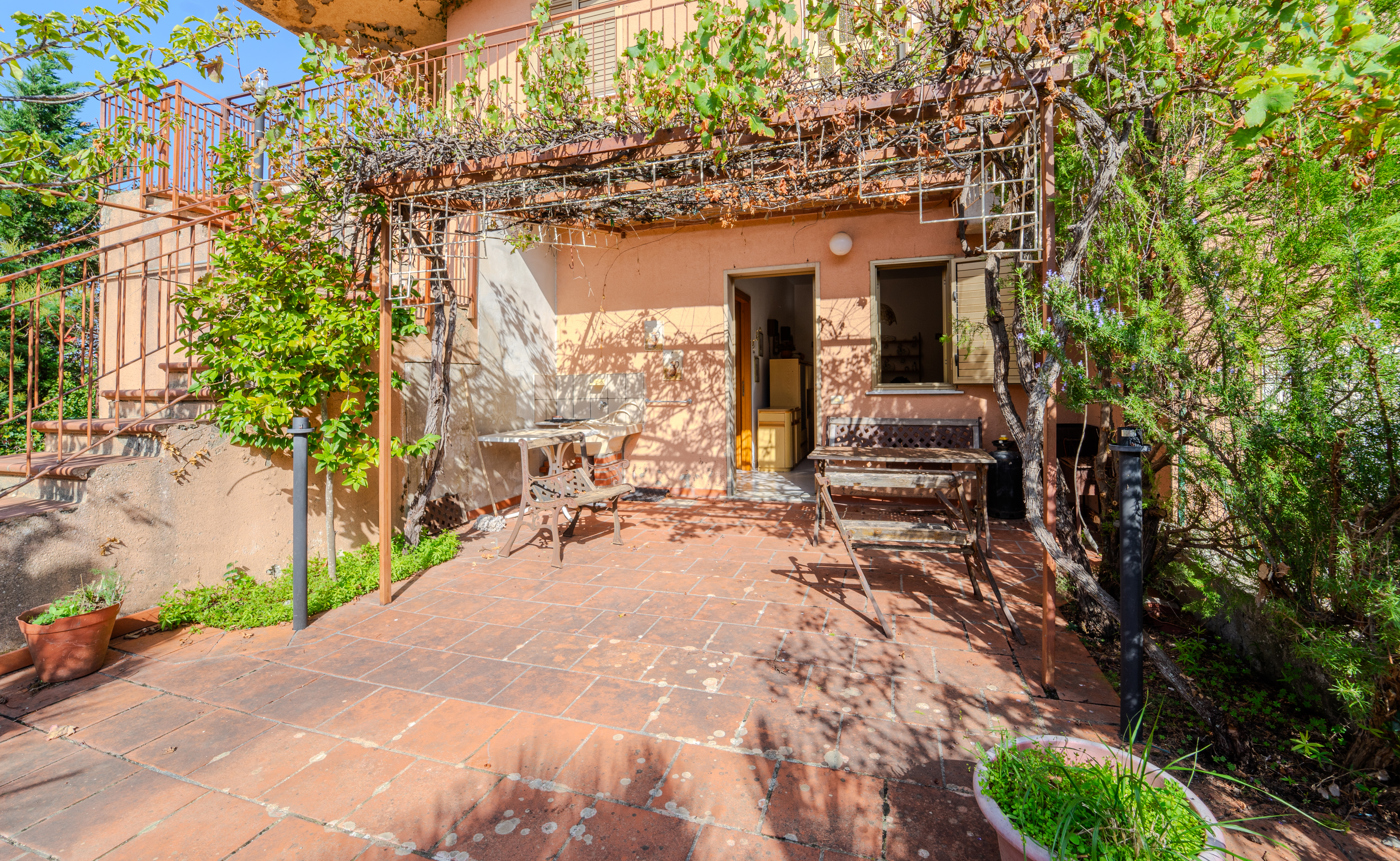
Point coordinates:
[[840, 244]]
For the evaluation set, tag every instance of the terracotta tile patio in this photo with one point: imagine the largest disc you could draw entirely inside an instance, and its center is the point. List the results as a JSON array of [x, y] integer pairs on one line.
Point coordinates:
[[714, 689]]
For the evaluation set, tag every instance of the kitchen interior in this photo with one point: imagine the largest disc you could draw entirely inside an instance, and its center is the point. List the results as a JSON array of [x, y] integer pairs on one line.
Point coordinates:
[[781, 349]]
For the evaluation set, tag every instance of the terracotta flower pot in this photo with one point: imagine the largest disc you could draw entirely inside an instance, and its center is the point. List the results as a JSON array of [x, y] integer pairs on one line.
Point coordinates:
[[69, 648], [1016, 847]]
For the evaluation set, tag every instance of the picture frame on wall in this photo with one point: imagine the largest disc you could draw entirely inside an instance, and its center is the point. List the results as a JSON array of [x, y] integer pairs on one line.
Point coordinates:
[[653, 334], [672, 365]]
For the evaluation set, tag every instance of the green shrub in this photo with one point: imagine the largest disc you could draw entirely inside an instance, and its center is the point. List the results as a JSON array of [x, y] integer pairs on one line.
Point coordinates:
[[242, 602], [109, 589], [1096, 812]]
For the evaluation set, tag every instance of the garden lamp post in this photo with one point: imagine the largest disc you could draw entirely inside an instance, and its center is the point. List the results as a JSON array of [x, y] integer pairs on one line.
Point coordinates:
[[1130, 451], [299, 430]]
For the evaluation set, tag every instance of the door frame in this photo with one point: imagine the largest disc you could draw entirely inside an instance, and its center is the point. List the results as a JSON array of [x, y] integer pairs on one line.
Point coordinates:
[[743, 358], [730, 372]]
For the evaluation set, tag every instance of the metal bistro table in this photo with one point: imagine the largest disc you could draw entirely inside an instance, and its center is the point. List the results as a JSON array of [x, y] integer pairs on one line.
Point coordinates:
[[929, 475]]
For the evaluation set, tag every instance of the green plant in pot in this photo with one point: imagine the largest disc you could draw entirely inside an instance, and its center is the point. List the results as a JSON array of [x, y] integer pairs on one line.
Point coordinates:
[[68, 638], [1053, 797]]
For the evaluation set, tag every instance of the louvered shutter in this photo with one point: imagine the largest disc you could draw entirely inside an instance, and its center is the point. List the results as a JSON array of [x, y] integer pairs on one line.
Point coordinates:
[[972, 360], [599, 30]]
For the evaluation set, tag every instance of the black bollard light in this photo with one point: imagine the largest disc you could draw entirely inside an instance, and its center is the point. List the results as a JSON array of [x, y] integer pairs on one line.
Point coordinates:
[[300, 430], [1130, 599]]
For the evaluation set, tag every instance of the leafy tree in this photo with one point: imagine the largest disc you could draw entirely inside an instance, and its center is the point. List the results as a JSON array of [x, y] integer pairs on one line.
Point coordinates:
[[286, 323], [30, 162]]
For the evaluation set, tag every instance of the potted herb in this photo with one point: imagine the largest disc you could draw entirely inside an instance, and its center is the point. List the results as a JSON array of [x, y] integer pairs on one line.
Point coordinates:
[[1052, 797], [68, 638]]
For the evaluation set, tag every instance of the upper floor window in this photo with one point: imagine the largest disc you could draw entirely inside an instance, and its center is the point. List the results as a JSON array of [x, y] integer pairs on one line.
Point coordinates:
[[599, 30]]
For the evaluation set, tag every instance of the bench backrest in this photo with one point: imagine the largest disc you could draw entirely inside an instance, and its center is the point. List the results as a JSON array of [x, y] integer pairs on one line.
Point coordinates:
[[904, 433]]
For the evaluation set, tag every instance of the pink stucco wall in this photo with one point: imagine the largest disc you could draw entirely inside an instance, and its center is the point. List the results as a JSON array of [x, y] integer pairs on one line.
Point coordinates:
[[679, 276], [484, 16]]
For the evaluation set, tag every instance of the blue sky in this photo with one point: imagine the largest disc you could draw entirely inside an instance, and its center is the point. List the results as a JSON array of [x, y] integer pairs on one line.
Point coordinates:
[[279, 55]]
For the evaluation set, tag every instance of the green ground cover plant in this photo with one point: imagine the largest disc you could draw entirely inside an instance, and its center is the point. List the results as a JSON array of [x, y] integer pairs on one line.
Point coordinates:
[[243, 602], [1094, 811], [109, 589]]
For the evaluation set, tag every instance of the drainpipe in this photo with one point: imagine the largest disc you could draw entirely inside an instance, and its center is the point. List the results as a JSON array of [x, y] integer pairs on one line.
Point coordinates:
[[300, 430], [1130, 451], [259, 130]]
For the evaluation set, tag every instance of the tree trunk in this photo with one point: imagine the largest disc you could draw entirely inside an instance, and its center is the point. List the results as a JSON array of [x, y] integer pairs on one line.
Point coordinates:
[[330, 503], [439, 382]]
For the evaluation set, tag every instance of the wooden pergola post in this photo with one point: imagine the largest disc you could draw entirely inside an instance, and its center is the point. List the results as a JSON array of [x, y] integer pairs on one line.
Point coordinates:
[[386, 431]]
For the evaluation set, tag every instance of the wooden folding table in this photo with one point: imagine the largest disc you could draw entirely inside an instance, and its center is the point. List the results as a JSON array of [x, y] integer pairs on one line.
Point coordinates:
[[916, 475]]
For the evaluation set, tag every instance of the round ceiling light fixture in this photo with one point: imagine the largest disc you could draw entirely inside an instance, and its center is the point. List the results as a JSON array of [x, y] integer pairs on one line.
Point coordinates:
[[840, 244]]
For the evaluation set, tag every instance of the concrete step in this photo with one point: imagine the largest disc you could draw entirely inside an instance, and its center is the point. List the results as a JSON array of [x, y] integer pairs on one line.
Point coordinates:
[[135, 438], [177, 374], [64, 483], [140, 403]]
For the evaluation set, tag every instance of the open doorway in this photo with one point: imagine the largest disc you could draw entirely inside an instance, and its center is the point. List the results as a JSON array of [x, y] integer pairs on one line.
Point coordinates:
[[775, 386]]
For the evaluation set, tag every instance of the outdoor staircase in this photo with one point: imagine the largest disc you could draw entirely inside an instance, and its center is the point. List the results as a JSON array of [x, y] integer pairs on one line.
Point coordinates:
[[74, 448]]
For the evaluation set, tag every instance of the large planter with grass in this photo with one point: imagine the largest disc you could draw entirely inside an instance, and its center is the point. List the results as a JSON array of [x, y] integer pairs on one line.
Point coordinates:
[[70, 647], [1125, 775]]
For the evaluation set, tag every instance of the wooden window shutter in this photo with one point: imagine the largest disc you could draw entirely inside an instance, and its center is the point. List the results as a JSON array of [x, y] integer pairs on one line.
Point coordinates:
[[972, 344], [599, 30]]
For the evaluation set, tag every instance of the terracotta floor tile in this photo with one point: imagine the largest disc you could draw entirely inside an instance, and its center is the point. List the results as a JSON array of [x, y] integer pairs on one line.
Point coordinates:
[[896, 660], [293, 839], [616, 703], [803, 734], [531, 746], [930, 631], [43, 789], [720, 844], [769, 681], [937, 824], [978, 671], [333, 784], [380, 716], [473, 583], [492, 641], [959, 752], [196, 678], [730, 610], [991, 639], [552, 649], [148, 721], [476, 679], [567, 594], [386, 625], [674, 606], [414, 669], [421, 804], [196, 743], [508, 611], [357, 658], [928, 704], [543, 690], [564, 620], [260, 687], [441, 634], [1080, 683], [733, 588], [821, 649], [715, 567], [312, 704], [453, 606], [623, 626], [699, 716], [23, 750], [21, 700], [451, 731], [747, 640], [342, 617], [520, 588], [626, 659], [99, 822], [207, 829], [667, 581], [91, 706], [618, 833], [716, 786], [849, 693], [618, 599], [680, 633], [689, 668], [621, 765], [300, 653], [827, 808], [793, 617], [264, 761], [1085, 713], [515, 823], [892, 749]]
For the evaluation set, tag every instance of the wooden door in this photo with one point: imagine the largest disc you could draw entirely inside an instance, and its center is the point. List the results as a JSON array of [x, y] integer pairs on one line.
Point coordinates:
[[743, 376]]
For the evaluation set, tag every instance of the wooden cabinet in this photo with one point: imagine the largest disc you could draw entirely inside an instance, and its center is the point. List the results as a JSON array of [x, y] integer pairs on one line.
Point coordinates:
[[777, 439], [790, 386]]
